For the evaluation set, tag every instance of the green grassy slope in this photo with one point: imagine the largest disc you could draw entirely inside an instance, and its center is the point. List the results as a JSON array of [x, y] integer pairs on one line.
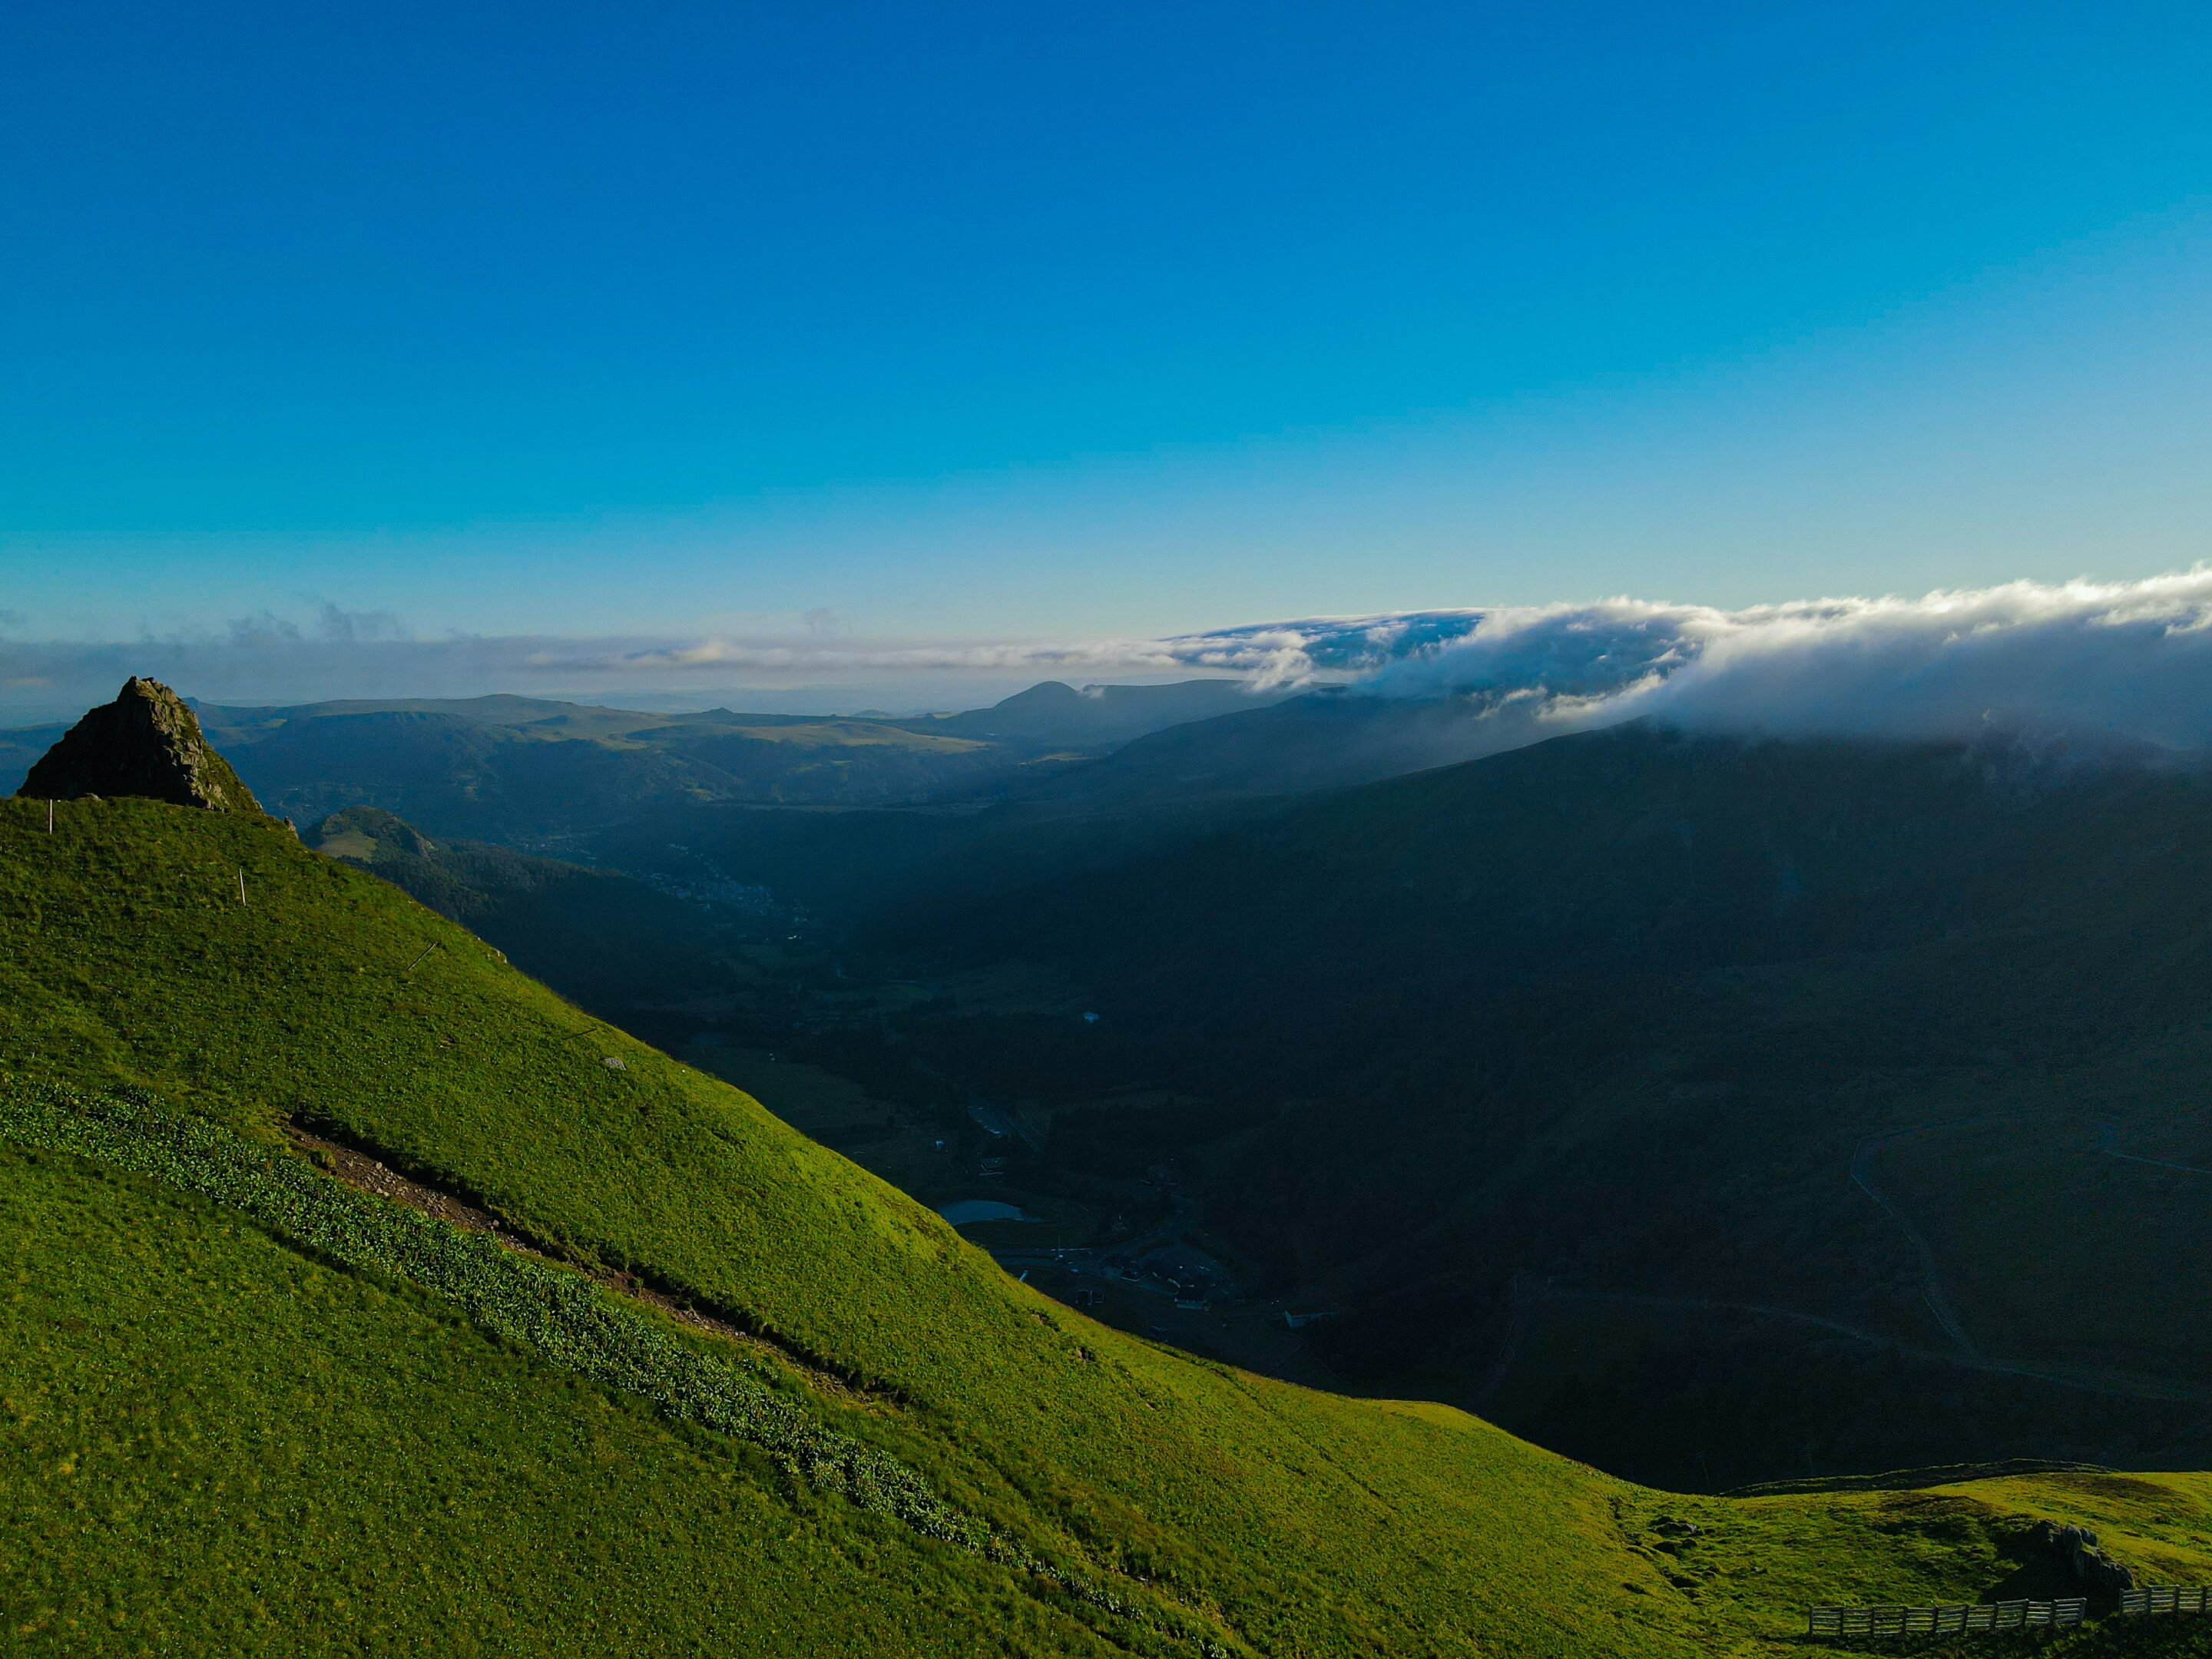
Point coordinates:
[[174, 1370], [213, 1444]]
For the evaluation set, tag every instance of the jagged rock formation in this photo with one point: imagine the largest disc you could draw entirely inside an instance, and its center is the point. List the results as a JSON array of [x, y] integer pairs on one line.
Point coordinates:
[[2077, 1549], [146, 743]]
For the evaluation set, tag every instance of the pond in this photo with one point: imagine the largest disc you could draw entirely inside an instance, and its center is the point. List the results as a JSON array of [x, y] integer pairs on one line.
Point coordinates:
[[962, 1211]]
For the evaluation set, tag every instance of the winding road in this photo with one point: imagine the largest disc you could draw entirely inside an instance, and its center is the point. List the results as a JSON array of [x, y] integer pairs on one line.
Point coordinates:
[[1931, 1283]]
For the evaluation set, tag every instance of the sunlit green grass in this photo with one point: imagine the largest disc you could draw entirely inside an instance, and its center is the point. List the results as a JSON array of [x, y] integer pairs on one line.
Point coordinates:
[[213, 1444]]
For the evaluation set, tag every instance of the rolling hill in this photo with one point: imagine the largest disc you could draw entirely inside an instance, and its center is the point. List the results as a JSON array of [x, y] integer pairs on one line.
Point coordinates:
[[366, 1297], [509, 769]]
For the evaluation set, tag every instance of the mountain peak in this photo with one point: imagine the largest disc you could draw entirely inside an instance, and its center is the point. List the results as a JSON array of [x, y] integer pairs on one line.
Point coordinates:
[[148, 742]]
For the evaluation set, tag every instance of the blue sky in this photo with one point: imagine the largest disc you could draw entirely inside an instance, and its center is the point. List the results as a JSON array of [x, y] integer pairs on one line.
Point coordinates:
[[1040, 321]]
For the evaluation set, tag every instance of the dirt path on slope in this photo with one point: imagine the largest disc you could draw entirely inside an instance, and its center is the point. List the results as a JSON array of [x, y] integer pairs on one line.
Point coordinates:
[[364, 1173], [1931, 1282]]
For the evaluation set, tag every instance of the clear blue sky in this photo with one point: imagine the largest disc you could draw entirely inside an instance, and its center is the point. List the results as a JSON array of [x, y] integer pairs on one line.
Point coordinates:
[[1045, 319]]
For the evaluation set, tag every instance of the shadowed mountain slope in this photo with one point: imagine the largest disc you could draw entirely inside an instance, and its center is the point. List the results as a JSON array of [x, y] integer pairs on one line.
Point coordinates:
[[617, 946], [1615, 1084], [1102, 715], [1324, 739]]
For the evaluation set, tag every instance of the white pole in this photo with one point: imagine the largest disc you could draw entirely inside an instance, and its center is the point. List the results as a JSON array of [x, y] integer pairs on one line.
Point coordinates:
[[241, 885]]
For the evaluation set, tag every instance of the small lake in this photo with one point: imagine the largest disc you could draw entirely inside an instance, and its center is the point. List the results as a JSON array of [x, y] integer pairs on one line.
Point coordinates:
[[962, 1211]]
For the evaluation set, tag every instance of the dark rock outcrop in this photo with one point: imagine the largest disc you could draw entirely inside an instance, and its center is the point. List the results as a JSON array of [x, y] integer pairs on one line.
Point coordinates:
[[2076, 1548], [146, 743]]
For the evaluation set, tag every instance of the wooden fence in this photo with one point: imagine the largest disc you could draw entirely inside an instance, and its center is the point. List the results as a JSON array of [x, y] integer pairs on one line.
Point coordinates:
[[1945, 1621], [2167, 1598]]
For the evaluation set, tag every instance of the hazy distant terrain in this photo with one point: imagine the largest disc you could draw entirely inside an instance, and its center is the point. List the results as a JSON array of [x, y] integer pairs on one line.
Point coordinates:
[[20, 749], [504, 767]]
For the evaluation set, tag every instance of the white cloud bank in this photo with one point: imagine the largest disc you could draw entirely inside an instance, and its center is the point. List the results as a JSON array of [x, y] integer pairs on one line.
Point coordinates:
[[2130, 661]]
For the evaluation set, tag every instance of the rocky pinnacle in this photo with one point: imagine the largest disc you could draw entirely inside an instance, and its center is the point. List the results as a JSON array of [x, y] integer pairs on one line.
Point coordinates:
[[145, 743]]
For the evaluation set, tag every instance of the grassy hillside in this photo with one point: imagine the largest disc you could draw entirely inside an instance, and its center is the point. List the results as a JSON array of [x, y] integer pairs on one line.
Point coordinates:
[[214, 1443], [248, 1407]]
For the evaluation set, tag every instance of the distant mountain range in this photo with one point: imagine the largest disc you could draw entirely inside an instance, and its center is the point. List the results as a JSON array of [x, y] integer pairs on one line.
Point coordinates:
[[504, 767], [1099, 716]]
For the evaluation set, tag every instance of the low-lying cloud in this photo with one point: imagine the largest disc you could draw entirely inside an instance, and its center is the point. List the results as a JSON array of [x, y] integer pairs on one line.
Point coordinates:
[[2126, 660]]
